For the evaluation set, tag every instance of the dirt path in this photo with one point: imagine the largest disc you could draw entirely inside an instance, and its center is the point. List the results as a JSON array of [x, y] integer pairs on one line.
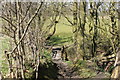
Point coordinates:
[[65, 70]]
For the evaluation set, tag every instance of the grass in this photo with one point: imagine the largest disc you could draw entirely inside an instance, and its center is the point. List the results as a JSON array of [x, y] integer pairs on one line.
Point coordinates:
[[4, 45], [1, 50], [63, 35]]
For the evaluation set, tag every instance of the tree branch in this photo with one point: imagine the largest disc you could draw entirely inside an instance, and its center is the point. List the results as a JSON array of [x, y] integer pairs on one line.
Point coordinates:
[[27, 26]]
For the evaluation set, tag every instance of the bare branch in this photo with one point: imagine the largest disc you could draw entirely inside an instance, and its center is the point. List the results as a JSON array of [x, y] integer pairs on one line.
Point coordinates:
[[27, 26], [67, 18], [8, 21]]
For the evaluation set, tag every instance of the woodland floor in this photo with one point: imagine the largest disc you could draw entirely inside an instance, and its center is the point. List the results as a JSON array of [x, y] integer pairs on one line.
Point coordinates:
[[65, 72]]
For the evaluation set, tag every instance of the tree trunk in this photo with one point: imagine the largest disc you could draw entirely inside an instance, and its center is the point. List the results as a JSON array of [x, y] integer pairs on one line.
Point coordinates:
[[75, 30], [116, 72]]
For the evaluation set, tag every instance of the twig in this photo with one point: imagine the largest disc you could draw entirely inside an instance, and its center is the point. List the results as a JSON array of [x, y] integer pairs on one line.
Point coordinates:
[[27, 26]]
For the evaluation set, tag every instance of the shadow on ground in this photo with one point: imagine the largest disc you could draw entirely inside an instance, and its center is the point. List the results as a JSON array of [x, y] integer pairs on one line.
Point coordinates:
[[48, 71], [55, 40]]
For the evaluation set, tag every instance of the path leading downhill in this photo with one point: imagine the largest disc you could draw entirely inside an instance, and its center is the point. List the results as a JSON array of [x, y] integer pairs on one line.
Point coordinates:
[[65, 70]]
